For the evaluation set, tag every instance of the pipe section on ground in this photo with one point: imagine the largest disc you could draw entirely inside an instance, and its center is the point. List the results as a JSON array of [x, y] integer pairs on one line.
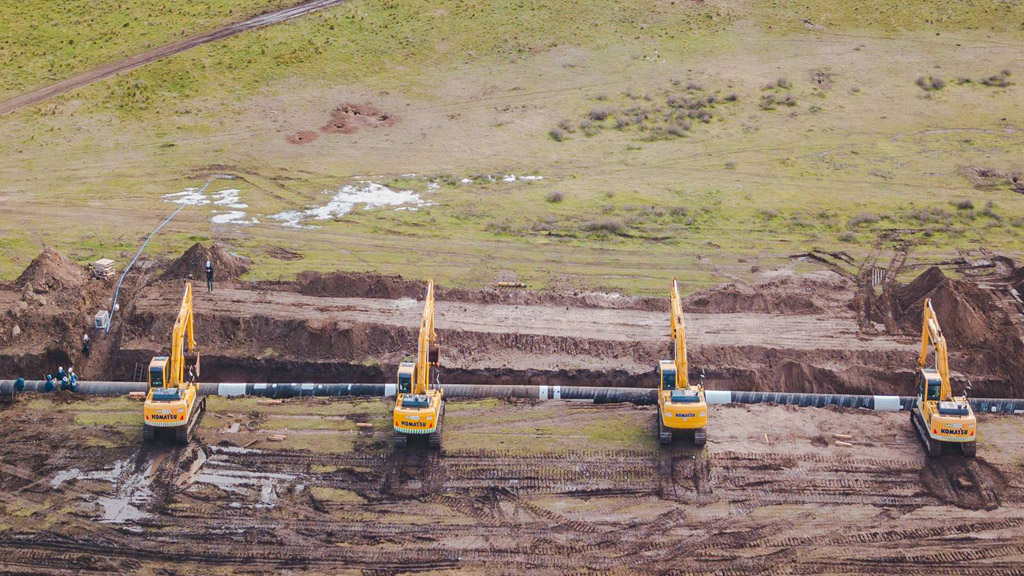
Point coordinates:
[[596, 394]]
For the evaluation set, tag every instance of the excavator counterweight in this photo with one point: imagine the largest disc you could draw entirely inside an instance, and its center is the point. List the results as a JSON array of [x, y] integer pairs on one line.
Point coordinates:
[[172, 402], [682, 407], [419, 408], [941, 419]]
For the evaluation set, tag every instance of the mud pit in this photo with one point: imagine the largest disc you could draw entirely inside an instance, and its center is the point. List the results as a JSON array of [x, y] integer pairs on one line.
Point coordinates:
[[520, 488]]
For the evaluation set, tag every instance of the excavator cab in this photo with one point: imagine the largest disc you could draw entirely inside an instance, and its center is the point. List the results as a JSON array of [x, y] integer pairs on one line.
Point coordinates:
[[668, 374], [929, 385], [405, 374], [158, 372]]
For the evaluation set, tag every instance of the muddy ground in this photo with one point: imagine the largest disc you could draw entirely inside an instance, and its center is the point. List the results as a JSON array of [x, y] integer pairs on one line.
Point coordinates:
[[825, 331], [520, 487]]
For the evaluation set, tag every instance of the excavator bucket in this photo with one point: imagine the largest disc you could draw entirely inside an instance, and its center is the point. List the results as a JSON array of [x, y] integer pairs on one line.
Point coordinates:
[[434, 354]]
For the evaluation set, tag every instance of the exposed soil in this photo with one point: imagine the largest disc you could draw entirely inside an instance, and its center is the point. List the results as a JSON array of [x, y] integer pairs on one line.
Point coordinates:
[[787, 332], [521, 487], [192, 264], [302, 137], [349, 117]]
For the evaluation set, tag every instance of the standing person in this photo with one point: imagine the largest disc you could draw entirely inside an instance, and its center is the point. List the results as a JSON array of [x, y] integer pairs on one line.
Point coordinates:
[[209, 276], [86, 345]]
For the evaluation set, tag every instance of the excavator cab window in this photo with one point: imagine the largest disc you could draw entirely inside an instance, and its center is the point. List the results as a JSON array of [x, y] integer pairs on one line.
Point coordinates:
[[668, 379], [405, 383], [934, 388], [156, 377]]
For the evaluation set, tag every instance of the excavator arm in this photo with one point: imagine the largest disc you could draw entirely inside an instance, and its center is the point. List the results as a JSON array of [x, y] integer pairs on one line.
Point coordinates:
[[931, 335], [679, 339], [427, 351], [183, 334]]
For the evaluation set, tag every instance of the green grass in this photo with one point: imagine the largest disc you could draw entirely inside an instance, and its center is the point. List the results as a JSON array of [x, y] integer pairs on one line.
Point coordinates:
[[476, 86], [43, 42]]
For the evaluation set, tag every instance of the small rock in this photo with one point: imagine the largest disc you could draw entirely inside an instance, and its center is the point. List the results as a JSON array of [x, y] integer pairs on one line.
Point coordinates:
[[16, 331], [20, 307], [963, 483], [27, 290]]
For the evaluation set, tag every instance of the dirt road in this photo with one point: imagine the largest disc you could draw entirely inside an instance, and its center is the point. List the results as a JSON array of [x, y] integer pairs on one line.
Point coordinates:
[[160, 53], [520, 487]]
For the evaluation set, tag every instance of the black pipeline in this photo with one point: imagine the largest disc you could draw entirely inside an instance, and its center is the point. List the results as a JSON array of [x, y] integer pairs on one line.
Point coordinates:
[[599, 395]]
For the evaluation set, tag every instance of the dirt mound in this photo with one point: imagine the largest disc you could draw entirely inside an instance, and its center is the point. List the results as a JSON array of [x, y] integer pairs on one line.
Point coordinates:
[[351, 285], [349, 118], [52, 272], [302, 137], [966, 313], [805, 294], [973, 323], [192, 264]]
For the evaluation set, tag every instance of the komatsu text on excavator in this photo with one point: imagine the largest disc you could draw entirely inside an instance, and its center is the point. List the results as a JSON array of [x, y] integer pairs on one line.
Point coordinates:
[[940, 418], [681, 406], [173, 401], [419, 409]]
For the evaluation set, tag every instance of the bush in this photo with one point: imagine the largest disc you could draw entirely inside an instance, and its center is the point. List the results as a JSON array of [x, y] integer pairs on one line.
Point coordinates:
[[567, 126], [863, 218], [608, 226], [847, 237], [555, 197], [965, 205], [732, 97], [928, 83], [784, 83], [1000, 80], [557, 134], [989, 210], [598, 114]]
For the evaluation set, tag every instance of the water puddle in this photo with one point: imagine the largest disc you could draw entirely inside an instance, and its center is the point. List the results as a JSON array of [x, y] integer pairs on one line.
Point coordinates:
[[366, 194], [131, 490]]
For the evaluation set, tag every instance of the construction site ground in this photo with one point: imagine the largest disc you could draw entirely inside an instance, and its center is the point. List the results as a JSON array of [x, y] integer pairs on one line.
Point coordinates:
[[520, 487]]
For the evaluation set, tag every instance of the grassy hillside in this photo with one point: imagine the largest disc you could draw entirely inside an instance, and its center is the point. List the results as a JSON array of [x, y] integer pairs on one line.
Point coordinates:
[[695, 139], [42, 42]]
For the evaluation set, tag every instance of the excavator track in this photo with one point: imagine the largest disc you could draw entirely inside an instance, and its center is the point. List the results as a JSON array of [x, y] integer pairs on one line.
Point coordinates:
[[700, 436], [934, 447], [664, 434], [401, 440], [148, 433], [183, 434], [435, 436]]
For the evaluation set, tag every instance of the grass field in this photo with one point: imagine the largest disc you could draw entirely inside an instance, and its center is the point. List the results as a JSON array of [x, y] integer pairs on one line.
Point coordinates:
[[662, 139]]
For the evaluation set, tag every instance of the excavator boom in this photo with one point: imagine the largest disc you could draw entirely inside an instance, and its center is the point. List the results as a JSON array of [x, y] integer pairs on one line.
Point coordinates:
[[679, 339], [931, 334]]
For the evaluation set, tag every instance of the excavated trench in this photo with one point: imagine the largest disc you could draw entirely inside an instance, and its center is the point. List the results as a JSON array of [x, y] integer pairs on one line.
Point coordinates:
[[787, 333]]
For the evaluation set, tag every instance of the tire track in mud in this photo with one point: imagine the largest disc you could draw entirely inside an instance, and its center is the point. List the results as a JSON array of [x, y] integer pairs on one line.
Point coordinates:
[[200, 527]]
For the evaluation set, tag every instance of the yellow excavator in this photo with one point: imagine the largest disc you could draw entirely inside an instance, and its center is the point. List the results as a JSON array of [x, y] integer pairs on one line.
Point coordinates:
[[682, 407], [940, 418], [419, 408], [173, 403]]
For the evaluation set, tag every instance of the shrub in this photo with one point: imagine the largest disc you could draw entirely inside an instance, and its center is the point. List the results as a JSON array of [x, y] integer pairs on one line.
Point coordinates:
[[928, 83], [847, 236], [1000, 80], [784, 83], [555, 197], [608, 226], [567, 126], [732, 97], [989, 210], [598, 114], [863, 218], [767, 102], [557, 134], [965, 205]]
